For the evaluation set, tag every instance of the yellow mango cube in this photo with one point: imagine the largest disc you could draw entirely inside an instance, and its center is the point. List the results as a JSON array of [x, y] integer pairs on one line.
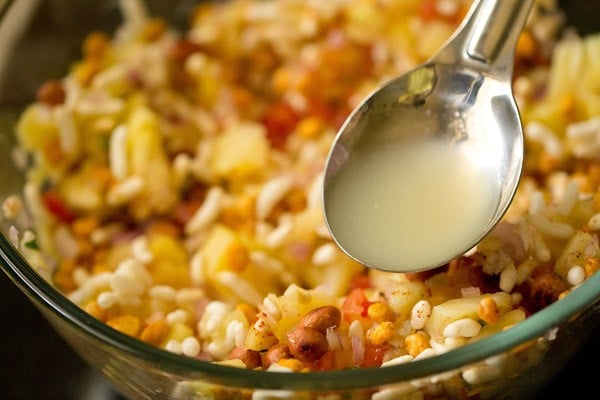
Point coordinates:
[[170, 263]]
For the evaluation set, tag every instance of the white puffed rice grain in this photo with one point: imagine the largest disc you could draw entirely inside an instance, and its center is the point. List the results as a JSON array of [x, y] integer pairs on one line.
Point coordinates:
[[177, 316], [130, 278], [80, 275], [67, 130], [90, 287], [173, 346], [241, 287], [125, 191], [197, 275], [497, 360], [398, 360], [419, 314], [271, 193], [107, 299], [452, 343], [105, 233], [594, 222], [189, 296], [162, 292], [190, 346], [117, 153], [271, 394], [12, 206], [447, 8], [140, 250], [555, 229], [325, 254], [569, 198], [278, 236], [481, 374], [542, 252], [314, 197], [508, 278], [576, 275], [395, 392], [214, 313], [208, 211], [465, 327], [66, 244], [13, 235], [428, 352], [539, 133], [271, 307], [182, 166]]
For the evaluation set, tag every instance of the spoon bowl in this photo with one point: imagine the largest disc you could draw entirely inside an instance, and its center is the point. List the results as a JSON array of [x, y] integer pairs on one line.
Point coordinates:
[[429, 163]]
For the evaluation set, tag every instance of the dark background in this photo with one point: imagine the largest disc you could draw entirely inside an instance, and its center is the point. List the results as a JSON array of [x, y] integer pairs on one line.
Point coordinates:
[[35, 363]]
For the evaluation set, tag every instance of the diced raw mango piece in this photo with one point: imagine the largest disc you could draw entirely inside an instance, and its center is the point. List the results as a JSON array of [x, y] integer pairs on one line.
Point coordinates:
[[466, 307], [402, 298], [590, 99], [294, 304], [169, 265], [509, 319], [567, 64], [224, 250], [241, 151], [573, 252], [230, 273], [36, 127], [260, 340], [178, 331], [335, 278], [81, 191], [38, 132], [402, 293], [147, 159]]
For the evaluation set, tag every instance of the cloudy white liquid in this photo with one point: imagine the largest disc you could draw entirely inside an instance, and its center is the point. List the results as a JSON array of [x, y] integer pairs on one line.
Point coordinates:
[[403, 208]]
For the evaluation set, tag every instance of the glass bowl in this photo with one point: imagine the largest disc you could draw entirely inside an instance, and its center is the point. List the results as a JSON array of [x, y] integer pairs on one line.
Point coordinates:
[[38, 40]]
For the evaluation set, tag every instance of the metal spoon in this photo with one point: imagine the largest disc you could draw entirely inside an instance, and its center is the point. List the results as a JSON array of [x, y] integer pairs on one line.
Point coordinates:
[[428, 164]]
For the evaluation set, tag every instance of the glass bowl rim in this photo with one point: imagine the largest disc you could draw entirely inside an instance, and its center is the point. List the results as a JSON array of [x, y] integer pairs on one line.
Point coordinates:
[[43, 293]]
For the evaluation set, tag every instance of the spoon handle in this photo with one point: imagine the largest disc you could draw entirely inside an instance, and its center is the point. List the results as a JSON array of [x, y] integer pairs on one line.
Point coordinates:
[[499, 24], [489, 34]]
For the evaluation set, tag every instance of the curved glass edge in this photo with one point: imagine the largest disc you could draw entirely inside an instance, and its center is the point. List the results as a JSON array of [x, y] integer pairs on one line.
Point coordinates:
[[48, 297], [43, 293]]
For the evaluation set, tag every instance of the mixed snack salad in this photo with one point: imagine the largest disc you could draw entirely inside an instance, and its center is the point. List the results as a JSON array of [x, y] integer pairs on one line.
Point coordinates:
[[174, 184]]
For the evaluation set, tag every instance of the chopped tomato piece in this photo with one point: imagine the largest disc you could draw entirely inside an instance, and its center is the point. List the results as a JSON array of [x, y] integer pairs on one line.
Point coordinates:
[[355, 305], [361, 281], [428, 10], [56, 206], [326, 363], [374, 355], [280, 120]]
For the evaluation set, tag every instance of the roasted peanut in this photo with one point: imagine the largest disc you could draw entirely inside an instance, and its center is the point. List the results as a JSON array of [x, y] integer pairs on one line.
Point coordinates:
[[321, 318], [276, 353], [51, 93], [307, 344], [251, 358], [545, 286]]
